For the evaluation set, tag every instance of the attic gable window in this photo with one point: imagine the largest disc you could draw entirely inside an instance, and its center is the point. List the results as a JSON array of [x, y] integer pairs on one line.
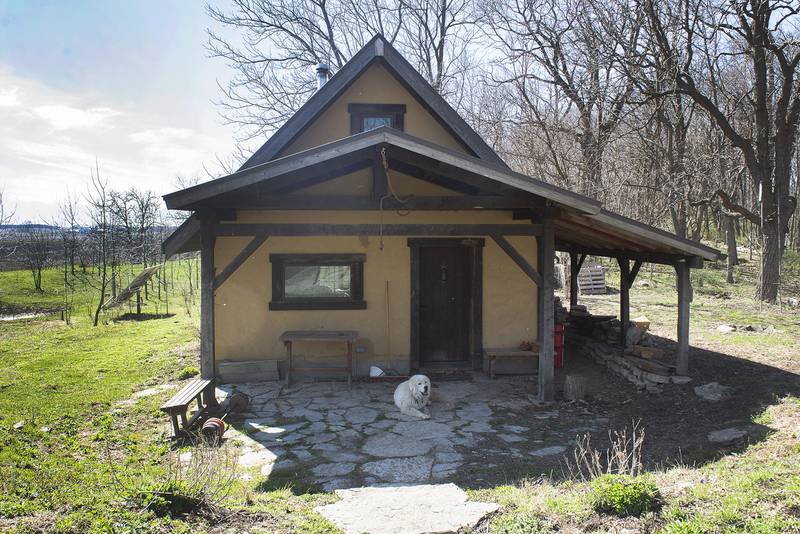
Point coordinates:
[[317, 282], [365, 117]]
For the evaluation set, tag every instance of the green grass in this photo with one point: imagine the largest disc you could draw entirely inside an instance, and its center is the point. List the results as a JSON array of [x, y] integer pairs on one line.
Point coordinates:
[[71, 458], [80, 463]]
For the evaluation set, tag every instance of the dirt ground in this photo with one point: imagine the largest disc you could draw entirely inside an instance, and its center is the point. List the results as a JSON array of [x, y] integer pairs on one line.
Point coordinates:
[[677, 421]]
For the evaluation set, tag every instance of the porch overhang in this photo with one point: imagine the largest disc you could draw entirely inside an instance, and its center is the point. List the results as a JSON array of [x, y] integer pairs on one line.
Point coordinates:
[[559, 220], [581, 225]]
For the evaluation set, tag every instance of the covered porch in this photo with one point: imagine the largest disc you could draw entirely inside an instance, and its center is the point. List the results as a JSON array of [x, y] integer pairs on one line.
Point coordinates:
[[554, 219]]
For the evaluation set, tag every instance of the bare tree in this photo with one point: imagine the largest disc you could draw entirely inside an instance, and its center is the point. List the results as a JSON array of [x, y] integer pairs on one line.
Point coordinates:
[[283, 40], [556, 56], [69, 233], [6, 212], [6, 216], [100, 239], [699, 45], [35, 250]]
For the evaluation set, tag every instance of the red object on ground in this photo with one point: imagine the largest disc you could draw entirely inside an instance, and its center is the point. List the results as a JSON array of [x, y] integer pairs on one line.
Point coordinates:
[[214, 425], [558, 345]]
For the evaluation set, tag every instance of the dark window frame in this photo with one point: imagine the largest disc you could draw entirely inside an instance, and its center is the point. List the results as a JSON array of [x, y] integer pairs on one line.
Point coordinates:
[[358, 112], [281, 302]]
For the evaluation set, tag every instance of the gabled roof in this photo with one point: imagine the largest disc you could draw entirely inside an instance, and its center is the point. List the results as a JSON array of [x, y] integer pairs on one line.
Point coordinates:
[[583, 225], [399, 144], [378, 49]]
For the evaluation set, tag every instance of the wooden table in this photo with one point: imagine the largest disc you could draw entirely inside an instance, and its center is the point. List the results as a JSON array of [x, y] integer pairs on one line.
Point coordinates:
[[494, 354], [346, 336]]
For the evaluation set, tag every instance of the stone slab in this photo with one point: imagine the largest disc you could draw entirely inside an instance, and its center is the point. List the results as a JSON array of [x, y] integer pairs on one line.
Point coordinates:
[[405, 509]]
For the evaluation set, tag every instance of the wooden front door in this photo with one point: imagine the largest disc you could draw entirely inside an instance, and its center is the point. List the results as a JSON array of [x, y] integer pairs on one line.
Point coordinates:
[[445, 278]]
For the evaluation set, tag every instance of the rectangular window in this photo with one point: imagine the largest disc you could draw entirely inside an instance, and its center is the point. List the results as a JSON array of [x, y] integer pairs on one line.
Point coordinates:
[[365, 117], [317, 282]]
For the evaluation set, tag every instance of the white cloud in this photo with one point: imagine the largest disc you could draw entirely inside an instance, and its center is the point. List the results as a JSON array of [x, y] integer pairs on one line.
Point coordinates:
[[50, 139], [159, 135], [9, 97], [63, 117]]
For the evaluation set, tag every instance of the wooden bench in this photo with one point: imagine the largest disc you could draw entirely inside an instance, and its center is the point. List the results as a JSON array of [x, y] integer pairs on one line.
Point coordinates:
[[346, 336], [201, 390], [507, 354]]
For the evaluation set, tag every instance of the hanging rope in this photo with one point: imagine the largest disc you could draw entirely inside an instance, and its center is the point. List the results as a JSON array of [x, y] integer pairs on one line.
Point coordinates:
[[390, 194]]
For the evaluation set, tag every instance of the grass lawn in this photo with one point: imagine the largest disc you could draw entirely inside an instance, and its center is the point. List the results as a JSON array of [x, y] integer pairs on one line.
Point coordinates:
[[82, 462]]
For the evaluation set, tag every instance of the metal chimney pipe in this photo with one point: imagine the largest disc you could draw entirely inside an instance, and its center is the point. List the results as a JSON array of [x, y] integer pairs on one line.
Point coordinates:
[[323, 71]]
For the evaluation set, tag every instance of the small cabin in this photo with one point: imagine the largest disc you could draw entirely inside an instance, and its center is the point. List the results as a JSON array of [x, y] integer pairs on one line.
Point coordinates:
[[377, 217]]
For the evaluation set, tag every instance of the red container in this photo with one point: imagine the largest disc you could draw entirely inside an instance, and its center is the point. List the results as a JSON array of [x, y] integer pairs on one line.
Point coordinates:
[[558, 345]]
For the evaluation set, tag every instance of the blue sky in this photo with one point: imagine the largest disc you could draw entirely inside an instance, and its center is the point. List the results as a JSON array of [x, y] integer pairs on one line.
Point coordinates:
[[127, 83]]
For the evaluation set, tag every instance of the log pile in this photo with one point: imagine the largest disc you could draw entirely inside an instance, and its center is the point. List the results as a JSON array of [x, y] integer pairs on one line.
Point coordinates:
[[600, 340]]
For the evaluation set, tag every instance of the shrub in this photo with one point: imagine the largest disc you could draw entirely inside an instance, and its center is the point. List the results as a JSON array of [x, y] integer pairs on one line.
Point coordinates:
[[174, 499], [188, 372], [520, 523], [624, 495]]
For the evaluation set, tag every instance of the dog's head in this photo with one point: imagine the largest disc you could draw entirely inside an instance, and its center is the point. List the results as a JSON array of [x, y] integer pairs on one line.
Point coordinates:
[[420, 386]]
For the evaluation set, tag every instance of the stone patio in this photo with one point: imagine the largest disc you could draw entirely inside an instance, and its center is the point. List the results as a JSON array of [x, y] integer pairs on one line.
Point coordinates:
[[483, 432]]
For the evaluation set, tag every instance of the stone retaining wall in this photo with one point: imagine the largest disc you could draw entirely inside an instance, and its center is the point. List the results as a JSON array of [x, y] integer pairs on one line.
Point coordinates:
[[615, 360]]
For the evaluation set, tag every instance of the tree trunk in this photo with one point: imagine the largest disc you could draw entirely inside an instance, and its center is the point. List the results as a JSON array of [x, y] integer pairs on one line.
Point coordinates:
[[730, 239], [770, 276]]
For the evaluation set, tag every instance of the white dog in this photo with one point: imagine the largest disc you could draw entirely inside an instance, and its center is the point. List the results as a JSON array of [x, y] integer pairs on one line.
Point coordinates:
[[413, 396]]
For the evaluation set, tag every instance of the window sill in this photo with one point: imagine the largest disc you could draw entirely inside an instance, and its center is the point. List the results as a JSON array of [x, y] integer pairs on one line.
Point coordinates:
[[318, 305]]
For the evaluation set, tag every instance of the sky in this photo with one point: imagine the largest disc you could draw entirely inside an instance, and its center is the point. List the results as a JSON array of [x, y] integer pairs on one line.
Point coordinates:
[[125, 84]]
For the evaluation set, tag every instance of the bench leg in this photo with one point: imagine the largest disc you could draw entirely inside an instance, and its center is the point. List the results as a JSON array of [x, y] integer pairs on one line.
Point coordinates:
[[289, 363], [175, 428], [184, 422]]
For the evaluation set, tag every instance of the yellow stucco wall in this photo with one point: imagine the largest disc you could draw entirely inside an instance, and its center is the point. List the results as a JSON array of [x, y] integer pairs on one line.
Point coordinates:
[[360, 183], [375, 86], [247, 330]]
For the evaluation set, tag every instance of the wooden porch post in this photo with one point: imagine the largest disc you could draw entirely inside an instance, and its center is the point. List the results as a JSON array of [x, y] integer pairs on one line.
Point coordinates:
[[575, 263], [573, 279], [624, 297], [206, 299], [546, 319], [684, 298]]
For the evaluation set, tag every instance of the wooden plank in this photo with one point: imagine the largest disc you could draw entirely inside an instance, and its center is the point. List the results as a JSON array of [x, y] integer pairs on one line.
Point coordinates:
[[547, 321], [207, 299], [477, 306], [634, 272], [521, 262], [414, 298], [187, 393], [319, 335], [624, 298], [646, 257], [229, 230], [176, 242], [240, 258], [684, 298], [641, 230], [574, 268], [359, 203]]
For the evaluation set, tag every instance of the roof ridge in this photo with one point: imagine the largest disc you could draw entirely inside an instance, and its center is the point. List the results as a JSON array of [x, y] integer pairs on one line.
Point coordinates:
[[376, 49]]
